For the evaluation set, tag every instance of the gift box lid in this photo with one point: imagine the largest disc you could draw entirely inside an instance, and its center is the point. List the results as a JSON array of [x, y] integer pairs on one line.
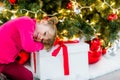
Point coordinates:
[[80, 47]]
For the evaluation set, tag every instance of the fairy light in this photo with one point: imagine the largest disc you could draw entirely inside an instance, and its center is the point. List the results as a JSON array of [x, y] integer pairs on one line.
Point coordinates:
[[87, 21], [74, 38], [61, 11], [11, 11], [68, 11], [35, 13], [91, 9], [27, 13], [108, 4], [1, 9], [81, 15], [14, 16], [62, 20], [44, 15], [65, 38], [113, 9], [36, 16], [1, 21], [79, 7], [113, 3], [92, 23], [64, 32], [102, 5]]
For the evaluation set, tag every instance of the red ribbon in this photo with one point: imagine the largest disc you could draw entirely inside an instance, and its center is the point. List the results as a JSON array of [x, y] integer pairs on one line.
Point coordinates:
[[65, 54], [34, 58]]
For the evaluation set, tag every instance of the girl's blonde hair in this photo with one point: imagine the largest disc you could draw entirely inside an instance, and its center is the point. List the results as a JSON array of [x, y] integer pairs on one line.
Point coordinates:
[[52, 23]]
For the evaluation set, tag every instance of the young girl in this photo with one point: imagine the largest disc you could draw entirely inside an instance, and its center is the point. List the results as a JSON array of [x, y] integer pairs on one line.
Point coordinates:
[[27, 34]]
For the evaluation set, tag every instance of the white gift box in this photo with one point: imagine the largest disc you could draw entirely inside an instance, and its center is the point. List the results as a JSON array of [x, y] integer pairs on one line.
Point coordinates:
[[31, 65], [51, 67]]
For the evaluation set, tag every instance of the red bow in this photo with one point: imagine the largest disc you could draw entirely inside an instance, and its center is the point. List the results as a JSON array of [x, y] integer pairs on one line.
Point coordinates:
[[65, 53], [65, 56]]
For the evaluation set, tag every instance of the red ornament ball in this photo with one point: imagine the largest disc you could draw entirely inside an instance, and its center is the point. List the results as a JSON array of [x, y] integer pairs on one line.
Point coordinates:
[[95, 52], [69, 5], [104, 51], [94, 56], [112, 17], [12, 2]]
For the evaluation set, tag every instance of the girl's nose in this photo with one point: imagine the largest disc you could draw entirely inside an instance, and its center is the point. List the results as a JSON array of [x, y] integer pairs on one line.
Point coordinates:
[[40, 37]]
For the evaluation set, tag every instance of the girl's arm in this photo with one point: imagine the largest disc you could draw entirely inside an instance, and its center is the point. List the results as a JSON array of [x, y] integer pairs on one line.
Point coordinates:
[[26, 27]]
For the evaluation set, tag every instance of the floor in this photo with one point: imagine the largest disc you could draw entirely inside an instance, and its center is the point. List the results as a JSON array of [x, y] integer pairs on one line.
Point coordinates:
[[110, 76], [115, 75], [110, 64]]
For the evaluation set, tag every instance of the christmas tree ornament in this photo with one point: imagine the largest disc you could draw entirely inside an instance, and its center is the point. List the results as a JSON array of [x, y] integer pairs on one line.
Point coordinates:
[[95, 52], [118, 43], [12, 2], [69, 5], [94, 56], [76, 9], [104, 51], [112, 17], [111, 51]]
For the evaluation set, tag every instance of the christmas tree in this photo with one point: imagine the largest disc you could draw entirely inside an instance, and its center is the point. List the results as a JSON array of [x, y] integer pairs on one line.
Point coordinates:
[[77, 18]]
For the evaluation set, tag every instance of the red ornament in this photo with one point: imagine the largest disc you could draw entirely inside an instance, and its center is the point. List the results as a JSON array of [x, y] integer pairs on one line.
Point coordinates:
[[23, 57], [94, 56], [69, 5], [12, 2], [104, 51], [95, 52], [112, 17]]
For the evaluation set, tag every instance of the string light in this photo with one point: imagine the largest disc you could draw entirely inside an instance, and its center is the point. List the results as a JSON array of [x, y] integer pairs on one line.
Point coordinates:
[[75, 4], [14, 16], [1, 21], [27, 12], [113, 9]]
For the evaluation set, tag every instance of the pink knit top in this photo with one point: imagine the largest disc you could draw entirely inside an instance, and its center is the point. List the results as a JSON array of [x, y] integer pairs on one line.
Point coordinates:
[[16, 35]]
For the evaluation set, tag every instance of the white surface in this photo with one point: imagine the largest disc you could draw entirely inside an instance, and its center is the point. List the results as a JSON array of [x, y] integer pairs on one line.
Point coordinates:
[[52, 67], [107, 64]]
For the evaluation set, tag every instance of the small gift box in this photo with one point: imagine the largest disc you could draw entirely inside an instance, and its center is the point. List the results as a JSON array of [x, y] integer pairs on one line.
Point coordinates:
[[66, 61]]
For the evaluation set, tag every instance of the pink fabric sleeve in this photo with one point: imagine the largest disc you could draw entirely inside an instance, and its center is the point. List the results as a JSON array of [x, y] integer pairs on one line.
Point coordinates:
[[26, 27]]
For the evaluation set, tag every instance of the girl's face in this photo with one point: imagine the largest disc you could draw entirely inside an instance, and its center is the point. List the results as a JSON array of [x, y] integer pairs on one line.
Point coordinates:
[[43, 33]]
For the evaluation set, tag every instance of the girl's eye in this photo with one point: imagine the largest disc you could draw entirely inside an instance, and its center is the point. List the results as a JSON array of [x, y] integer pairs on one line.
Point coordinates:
[[44, 33]]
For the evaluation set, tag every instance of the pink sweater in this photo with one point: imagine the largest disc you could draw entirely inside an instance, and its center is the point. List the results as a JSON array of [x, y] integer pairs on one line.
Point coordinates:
[[16, 35]]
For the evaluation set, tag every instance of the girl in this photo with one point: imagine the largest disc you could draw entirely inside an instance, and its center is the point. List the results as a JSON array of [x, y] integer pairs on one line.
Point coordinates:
[[27, 34]]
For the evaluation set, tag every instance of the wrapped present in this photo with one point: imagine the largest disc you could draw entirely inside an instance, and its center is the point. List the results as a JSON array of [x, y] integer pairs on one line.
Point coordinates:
[[66, 61], [31, 64]]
